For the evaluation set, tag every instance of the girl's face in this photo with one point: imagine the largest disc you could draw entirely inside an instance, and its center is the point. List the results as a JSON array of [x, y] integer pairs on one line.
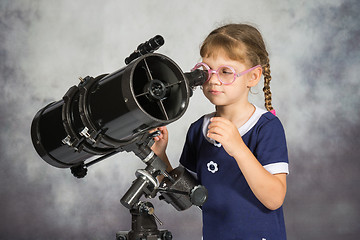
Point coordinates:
[[226, 95]]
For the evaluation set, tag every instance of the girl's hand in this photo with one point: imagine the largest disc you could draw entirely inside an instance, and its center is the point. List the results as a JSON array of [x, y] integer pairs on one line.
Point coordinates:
[[161, 141], [226, 133]]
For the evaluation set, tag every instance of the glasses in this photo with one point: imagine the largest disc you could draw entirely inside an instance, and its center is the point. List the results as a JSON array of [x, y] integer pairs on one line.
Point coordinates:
[[225, 74]]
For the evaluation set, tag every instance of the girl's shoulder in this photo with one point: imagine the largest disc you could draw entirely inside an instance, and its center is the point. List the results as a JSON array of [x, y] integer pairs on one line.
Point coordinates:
[[269, 120], [260, 119], [268, 127]]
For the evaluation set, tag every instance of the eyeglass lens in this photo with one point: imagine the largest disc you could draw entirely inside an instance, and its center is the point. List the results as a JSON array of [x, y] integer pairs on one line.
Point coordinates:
[[225, 74]]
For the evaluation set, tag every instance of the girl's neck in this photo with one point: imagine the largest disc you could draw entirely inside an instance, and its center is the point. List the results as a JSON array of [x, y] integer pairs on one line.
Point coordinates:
[[238, 116]]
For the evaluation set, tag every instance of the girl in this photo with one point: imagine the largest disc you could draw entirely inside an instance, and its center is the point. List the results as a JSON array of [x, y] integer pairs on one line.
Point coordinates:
[[238, 152]]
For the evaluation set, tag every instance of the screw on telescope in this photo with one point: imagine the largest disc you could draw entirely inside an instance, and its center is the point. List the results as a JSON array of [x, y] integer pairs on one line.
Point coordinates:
[[149, 208]]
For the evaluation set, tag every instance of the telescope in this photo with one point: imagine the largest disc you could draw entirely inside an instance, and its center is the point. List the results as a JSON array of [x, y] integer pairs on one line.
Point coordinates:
[[112, 113]]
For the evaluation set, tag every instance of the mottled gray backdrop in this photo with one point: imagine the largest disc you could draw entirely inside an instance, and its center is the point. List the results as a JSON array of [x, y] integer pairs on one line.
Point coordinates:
[[46, 45]]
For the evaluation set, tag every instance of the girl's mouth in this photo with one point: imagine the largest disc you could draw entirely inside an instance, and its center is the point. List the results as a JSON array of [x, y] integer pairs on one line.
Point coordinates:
[[215, 92]]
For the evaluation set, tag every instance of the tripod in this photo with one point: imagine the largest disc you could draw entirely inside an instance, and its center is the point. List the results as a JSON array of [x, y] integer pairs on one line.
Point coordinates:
[[143, 226]]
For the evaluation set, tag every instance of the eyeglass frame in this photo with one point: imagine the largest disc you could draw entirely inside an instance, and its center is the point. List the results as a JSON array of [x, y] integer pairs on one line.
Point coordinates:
[[211, 71]]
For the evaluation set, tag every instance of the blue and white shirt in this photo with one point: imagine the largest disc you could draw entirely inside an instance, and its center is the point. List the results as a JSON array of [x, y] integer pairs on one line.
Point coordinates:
[[232, 211]]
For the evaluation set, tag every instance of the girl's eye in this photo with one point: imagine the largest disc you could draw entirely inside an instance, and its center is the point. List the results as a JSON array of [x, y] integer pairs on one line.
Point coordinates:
[[226, 71]]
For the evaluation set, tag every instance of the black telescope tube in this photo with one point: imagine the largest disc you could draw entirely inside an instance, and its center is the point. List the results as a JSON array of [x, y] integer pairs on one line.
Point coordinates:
[[106, 114]]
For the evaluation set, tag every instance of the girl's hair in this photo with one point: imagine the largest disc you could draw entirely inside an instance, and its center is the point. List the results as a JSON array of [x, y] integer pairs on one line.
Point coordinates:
[[244, 43]]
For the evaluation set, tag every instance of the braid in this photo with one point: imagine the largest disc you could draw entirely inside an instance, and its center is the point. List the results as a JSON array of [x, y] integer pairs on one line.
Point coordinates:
[[266, 89]]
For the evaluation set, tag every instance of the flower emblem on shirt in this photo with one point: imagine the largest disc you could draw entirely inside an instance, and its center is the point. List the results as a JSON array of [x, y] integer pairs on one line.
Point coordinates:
[[212, 167]]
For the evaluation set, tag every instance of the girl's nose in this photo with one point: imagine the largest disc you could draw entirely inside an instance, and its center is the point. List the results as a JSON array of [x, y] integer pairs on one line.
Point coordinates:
[[214, 79]]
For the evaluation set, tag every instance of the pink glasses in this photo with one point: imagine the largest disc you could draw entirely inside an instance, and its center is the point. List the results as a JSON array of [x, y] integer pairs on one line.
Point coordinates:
[[225, 74]]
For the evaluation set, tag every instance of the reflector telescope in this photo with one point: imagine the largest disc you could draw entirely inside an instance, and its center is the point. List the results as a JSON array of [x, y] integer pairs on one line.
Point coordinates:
[[105, 113]]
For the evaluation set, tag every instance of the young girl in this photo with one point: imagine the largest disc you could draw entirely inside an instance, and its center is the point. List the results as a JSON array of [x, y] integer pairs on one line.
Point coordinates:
[[238, 152]]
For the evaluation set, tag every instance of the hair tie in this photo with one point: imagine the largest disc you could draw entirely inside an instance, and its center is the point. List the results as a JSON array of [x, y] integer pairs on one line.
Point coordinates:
[[273, 112]]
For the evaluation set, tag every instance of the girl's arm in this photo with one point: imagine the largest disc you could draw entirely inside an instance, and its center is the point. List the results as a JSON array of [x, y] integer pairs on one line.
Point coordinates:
[[269, 189], [160, 145]]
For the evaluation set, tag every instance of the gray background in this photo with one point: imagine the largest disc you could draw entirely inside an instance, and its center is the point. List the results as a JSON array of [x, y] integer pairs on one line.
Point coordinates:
[[46, 45]]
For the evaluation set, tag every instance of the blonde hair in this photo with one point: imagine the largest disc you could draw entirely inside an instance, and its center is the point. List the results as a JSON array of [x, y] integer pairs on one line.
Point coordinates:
[[244, 43]]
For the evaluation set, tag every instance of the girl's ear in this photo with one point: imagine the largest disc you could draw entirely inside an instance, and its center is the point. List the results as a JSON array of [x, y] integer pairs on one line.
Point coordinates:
[[254, 77]]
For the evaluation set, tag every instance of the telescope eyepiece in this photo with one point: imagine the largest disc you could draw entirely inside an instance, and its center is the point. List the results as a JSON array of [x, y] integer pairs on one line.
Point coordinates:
[[197, 77], [149, 46]]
